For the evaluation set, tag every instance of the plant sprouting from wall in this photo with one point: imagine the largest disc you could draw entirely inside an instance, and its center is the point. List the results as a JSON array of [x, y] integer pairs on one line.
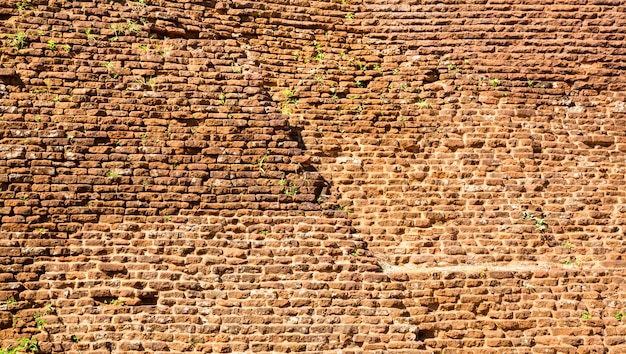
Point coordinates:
[[88, 35], [290, 101], [118, 30], [540, 224], [147, 82], [261, 161], [109, 65], [292, 189], [222, 98], [319, 56], [27, 345], [23, 5], [18, 40]]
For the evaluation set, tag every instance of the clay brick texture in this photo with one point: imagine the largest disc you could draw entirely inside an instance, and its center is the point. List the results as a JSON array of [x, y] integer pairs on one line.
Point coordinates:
[[344, 176]]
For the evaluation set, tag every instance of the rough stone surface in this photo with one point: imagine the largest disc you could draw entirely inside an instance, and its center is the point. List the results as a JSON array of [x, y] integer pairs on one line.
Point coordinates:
[[291, 176]]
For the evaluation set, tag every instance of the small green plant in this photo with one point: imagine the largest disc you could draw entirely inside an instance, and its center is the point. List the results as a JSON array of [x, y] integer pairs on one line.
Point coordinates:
[[88, 35], [40, 322], [452, 67], [109, 65], [147, 82], [75, 338], [359, 108], [52, 44], [163, 51], [24, 197], [118, 30], [585, 316], [113, 175], [70, 137], [318, 49], [235, 68], [193, 343], [354, 253], [168, 218], [568, 245], [23, 5], [144, 137], [619, 315], [423, 104], [350, 16], [222, 98], [260, 161], [132, 26], [27, 345], [114, 302], [289, 96], [67, 48], [10, 302], [19, 40], [317, 46], [289, 103], [530, 83], [139, 3], [494, 82], [358, 83], [540, 224], [292, 190], [343, 208]]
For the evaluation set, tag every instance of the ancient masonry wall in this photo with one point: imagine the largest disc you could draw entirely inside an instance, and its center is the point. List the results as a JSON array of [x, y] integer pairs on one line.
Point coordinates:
[[376, 176]]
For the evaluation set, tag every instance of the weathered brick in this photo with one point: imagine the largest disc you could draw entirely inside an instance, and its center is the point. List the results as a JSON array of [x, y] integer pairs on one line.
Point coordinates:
[[420, 146]]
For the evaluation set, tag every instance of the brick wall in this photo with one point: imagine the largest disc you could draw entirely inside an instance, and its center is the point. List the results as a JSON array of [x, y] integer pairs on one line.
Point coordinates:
[[358, 176]]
